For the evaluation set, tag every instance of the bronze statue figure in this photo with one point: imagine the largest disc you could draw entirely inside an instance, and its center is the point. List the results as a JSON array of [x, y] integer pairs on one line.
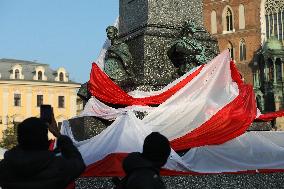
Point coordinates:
[[187, 52], [118, 59]]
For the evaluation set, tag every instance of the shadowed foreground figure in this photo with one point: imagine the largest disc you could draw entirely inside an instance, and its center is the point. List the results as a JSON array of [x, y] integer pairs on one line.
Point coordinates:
[[30, 165], [143, 169]]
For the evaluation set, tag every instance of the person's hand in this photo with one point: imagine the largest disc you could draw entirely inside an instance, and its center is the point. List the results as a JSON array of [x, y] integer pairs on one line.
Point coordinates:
[[52, 127]]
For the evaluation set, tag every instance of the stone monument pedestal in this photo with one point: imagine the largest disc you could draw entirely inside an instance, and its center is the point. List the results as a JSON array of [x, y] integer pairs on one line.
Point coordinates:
[[213, 181], [149, 27]]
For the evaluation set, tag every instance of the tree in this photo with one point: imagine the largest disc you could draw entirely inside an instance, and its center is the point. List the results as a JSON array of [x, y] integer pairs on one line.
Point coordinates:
[[9, 139]]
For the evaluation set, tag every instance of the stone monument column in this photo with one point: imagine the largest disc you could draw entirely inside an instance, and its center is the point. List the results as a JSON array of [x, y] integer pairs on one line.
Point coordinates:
[[149, 27]]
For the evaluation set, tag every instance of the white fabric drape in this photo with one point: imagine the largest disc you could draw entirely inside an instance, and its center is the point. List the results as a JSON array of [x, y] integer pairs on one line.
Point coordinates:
[[197, 102], [126, 134], [190, 107], [186, 110], [94, 107], [251, 151]]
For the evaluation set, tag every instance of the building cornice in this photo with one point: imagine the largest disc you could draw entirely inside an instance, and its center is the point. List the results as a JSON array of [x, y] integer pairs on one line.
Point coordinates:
[[39, 83], [237, 32]]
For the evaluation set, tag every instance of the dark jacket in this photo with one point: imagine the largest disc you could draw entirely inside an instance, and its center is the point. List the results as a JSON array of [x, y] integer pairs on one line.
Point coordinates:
[[33, 169], [141, 173]]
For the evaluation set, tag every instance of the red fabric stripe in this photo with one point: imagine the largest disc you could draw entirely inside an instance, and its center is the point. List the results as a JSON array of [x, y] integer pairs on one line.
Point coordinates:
[[51, 145], [228, 123], [111, 166], [270, 116], [265, 117], [71, 185], [103, 88]]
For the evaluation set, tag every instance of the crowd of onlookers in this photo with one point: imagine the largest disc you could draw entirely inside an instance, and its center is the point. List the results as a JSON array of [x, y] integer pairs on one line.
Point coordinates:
[[32, 165]]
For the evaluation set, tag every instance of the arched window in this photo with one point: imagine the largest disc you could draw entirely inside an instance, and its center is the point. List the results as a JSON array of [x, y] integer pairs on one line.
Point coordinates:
[[243, 50], [278, 65], [39, 75], [229, 20], [231, 49], [261, 68], [61, 77], [270, 70], [242, 21], [213, 22], [274, 17], [17, 74]]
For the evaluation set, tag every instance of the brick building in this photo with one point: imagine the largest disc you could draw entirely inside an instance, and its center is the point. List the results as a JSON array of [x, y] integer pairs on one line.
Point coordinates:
[[253, 31], [237, 25]]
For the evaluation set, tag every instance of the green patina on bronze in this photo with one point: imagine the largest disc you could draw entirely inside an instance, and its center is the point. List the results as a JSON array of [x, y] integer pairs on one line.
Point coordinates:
[[118, 59], [187, 52]]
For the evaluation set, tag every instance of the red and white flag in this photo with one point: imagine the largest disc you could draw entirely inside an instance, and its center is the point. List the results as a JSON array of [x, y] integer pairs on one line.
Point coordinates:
[[208, 109]]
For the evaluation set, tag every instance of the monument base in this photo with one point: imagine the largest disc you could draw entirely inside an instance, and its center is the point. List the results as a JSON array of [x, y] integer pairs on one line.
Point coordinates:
[[220, 181]]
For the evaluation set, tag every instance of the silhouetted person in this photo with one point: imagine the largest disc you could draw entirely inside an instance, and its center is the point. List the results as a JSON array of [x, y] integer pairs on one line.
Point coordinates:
[[143, 169], [30, 165]]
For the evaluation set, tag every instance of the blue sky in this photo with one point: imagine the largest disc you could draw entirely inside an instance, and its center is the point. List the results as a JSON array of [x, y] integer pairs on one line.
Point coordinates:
[[68, 33]]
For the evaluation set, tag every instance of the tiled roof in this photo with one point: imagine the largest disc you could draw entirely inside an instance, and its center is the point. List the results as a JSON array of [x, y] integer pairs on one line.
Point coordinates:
[[28, 69]]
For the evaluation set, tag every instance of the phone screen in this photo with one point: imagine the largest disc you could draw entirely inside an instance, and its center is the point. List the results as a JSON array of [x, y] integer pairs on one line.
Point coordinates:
[[46, 113]]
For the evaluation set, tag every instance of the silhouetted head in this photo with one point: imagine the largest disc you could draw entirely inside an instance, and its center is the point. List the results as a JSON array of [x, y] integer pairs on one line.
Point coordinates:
[[156, 148], [32, 134]]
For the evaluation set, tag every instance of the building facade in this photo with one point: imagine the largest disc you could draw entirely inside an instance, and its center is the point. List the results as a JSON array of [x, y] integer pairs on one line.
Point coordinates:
[[25, 85], [237, 26], [253, 31]]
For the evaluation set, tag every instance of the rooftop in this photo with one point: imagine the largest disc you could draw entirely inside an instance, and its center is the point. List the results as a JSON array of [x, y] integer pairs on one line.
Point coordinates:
[[29, 70]]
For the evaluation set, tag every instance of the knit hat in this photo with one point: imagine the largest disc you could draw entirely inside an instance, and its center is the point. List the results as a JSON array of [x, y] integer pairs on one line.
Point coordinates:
[[32, 134], [156, 148]]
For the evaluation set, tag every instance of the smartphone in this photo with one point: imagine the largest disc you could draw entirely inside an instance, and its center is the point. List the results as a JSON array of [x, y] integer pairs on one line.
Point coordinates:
[[46, 113]]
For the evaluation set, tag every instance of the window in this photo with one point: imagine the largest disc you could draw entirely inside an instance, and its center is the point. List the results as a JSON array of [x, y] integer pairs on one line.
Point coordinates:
[[243, 50], [61, 77], [17, 74], [231, 49], [278, 65], [213, 22], [274, 17], [270, 70], [39, 100], [61, 102], [229, 20], [39, 75], [17, 99], [242, 22]]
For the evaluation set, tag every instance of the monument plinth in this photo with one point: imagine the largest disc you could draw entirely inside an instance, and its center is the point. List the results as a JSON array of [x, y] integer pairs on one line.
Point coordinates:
[[149, 28]]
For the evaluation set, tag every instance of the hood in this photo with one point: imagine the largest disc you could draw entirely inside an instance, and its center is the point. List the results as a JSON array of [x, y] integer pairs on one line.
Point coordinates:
[[27, 162], [135, 161]]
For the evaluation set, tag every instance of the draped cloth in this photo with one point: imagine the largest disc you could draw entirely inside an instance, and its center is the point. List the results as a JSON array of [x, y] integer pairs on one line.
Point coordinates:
[[270, 116], [103, 88], [207, 110], [252, 151]]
